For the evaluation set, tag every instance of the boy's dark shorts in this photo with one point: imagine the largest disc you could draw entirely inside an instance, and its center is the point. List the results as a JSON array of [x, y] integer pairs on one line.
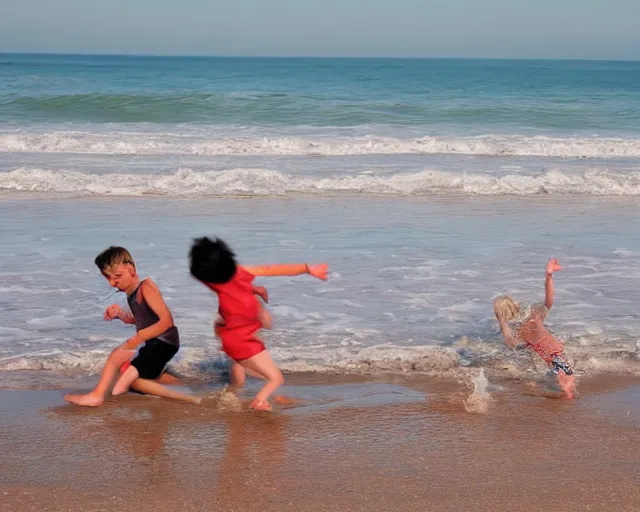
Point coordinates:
[[153, 358]]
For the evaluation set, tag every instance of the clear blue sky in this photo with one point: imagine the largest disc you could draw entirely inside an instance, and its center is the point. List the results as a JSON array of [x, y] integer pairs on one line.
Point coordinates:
[[410, 28]]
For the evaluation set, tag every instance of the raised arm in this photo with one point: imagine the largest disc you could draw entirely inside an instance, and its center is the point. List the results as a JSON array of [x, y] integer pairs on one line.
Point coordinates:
[[154, 300], [290, 269], [549, 291]]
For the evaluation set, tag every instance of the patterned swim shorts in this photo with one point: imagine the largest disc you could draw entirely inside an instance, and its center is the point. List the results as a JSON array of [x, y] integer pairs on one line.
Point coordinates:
[[559, 363]]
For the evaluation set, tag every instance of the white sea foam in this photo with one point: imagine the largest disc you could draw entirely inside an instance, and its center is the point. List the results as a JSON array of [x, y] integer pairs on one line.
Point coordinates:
[[265, 182], [150, 143], [433, 360]]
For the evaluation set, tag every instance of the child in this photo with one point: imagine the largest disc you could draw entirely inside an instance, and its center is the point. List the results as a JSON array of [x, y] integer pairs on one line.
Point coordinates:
[[528, 327], [214, 264], [156, 337]]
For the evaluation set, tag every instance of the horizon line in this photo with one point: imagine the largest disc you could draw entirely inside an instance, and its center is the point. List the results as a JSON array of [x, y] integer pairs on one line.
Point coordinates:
[[342, 57]]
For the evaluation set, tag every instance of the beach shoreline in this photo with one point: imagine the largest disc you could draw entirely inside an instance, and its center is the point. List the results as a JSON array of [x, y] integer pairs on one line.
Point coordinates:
[[350, 443]]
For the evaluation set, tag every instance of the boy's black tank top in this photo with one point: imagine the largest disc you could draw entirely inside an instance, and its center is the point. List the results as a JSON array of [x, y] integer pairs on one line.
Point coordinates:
[[144, 317]]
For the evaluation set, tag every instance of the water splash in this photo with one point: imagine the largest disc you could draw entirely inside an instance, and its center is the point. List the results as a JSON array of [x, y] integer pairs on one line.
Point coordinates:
[[479, 399], [227, 401]]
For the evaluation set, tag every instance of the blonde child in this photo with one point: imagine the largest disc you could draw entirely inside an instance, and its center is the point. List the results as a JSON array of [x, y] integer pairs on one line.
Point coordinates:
[[525, 325]]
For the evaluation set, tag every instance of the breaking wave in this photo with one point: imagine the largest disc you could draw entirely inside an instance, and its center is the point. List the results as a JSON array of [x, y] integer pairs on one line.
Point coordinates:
[[152, 143], [264, 183]]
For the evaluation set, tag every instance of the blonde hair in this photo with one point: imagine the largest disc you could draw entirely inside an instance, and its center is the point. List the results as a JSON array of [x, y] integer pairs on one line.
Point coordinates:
[[113, 256], [506, 308]]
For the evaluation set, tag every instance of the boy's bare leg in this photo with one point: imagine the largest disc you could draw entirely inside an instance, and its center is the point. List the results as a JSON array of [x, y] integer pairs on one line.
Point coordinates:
[[130, 379], [152, 387], [169, 380], [97, 396]]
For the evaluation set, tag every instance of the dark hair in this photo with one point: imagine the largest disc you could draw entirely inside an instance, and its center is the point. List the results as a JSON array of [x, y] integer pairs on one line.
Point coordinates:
[[212, 261], [113, 256]]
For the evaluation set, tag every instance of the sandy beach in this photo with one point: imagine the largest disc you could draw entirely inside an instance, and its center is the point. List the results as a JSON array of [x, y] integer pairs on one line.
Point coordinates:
[[350, 443]]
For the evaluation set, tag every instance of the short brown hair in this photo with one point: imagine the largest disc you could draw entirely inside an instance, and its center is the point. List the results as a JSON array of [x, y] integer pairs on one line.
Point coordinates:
[[113, 256]]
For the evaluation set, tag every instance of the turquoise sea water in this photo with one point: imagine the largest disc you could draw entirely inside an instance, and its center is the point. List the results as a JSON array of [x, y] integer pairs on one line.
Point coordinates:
[[454, 96]]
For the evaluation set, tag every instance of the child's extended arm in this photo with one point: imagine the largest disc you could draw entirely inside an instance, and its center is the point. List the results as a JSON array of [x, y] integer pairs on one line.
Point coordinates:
[[290, 269], [549, 291], [154, 300]]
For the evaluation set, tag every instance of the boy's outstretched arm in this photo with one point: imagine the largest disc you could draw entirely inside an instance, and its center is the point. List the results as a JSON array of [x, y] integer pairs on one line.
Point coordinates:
[[153, 297], [549, 291], [290, 269]]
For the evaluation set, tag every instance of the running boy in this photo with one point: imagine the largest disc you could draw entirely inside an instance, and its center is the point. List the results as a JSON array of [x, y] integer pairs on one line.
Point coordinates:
[[214, 264], [156, 338], [526, 326]]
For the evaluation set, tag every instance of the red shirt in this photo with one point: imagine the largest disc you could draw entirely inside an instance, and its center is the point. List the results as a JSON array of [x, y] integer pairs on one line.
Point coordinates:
[[238, 307]]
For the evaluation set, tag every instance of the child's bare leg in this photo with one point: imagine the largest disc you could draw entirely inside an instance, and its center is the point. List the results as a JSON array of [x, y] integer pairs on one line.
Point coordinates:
[[96, 397], [238, 379], [125, 380], [169, 380], [153, 387], [568, 384], [239, 374], [130, 379], [263, 365]]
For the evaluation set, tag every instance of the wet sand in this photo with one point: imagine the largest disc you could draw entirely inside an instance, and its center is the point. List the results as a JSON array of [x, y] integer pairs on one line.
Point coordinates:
[[389, 443]]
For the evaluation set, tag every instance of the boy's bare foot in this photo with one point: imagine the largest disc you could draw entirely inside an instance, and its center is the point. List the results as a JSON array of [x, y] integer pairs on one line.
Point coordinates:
[[87, 400]]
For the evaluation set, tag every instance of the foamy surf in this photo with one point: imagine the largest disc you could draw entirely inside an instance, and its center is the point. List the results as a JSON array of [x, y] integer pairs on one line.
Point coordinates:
[[470, 362], [265, 182], [153, 143]]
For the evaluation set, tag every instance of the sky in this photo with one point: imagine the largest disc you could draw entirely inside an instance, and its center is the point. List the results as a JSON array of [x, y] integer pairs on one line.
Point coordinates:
[[599, 29]]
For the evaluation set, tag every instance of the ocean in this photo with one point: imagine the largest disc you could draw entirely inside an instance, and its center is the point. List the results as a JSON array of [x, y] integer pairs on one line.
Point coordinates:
[[428, 186]]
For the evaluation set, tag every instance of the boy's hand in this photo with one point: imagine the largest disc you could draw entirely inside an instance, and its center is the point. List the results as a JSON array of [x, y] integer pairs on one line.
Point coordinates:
[[112, 312], [318, 271], [261, 291], [553, 266]]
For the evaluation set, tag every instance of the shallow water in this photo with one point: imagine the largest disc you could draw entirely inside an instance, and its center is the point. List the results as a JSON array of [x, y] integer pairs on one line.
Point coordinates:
[[409, 278]]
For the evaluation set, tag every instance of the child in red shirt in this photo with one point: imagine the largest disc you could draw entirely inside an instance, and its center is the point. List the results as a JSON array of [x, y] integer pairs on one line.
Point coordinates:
[[214, 264]]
